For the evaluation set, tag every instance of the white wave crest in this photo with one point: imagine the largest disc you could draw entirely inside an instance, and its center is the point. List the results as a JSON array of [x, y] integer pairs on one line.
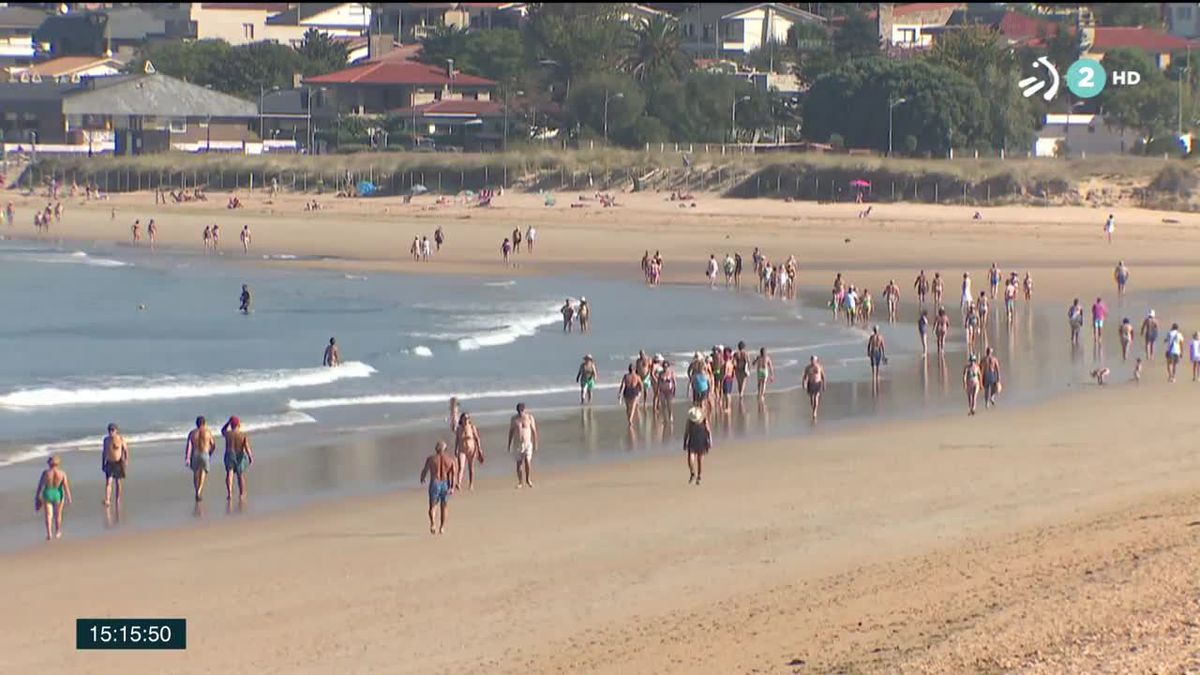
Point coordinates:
[[53, 258], [441, 397], [513, 329], [422, 350], [166, 388]]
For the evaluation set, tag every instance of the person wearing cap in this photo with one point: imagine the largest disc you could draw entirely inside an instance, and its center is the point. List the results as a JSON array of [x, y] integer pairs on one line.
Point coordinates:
[[877, 354], [1121, 275], [586, 377], [198, 453], [584, 314], [697, 440], [1149, 332], [971, 382], [53, 493], [238, 457], [814, 383], [114, 459]]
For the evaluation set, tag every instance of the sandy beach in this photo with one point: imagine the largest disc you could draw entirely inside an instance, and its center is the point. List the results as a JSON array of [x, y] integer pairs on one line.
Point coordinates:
[[1053, 538]]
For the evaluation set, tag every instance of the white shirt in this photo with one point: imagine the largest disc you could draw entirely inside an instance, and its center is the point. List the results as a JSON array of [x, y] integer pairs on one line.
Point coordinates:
[[1110, 225], [532, 235], [1175, 343], [1196, 350], [966, 291]]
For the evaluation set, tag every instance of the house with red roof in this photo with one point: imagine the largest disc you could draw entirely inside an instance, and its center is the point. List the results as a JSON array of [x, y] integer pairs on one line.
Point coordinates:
[[1156, 44], [380, 86], [907, 26]]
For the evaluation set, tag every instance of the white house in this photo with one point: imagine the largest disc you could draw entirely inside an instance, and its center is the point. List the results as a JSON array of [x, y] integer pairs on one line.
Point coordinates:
[[1081, 134], [722, 29], [240, 23], [1183, 19]]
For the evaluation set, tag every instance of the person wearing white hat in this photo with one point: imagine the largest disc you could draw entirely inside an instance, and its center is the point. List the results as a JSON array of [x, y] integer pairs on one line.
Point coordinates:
[[697, 441], [1149, 332]]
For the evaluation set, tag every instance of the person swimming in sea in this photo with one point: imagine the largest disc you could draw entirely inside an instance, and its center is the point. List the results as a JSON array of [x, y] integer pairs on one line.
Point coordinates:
[[53, 494]]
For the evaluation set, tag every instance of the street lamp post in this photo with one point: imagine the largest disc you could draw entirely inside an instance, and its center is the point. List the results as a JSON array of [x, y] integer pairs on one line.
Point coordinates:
[[733, 118], [607, 98], [892, 106]]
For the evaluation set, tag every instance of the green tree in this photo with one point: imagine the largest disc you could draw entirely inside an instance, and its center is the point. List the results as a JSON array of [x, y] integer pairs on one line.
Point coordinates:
[[858, 37], [576, 40], [586, 105], [445, 43], [1149, 108], [499, 54], [655, 48], [771, 58], [256, 66], [1127, 14], [320, 53], [196, 62]]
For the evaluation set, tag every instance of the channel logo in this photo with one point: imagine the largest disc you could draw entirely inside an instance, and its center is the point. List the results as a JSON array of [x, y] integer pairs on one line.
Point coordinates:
[[1031, 85]]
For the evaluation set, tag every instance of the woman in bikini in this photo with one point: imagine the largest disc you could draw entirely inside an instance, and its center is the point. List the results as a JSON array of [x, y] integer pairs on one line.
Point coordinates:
[[53, 494], [971, 378], [666, 391], [467, 448]]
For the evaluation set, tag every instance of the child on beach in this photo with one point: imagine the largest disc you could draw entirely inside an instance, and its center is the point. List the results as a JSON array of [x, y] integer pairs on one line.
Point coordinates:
[[53, 494]]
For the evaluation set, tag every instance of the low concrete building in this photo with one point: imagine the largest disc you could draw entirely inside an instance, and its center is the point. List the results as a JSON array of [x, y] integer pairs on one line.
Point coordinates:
[[1081, 135]]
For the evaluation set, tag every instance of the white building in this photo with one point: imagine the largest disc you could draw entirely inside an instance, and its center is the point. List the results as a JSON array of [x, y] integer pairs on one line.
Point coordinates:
[[723, 29], [1081, 135], [1183, 19], [240, 23]]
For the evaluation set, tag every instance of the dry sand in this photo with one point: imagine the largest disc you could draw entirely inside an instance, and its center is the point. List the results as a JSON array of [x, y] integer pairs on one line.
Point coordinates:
[[1055, 538]]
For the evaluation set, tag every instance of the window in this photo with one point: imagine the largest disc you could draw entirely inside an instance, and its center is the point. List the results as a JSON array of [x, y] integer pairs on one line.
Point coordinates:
[[178, 125], [248, 31], [908, 36], [1183, 12]]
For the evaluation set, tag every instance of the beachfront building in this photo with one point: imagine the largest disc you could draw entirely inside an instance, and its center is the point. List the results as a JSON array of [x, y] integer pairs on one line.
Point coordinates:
[[912, 26], [125, 114], [240, 23], [409, 22], [17, 25], [734, 29], [380, 86], [1081, 135]]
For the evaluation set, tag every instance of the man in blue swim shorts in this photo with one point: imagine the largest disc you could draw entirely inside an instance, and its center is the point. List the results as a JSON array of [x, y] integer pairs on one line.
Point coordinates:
[[439, 469]]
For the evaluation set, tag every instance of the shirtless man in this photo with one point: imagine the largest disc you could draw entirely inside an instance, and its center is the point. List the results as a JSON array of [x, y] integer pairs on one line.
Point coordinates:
[[586, 377], [891, 295], [1121, 275], [440, 470], [1010, 299], [991, 378], [1075, 318], [1125, 332], [244, 307], [994, 280], [238, 457], [1149, 332], [876, 354], [630, 392], [333, 357], [568, 315], [814, 384], [467, 448], [1027, 285], [522, 432], [114, 459], [765, 370], [921, 286], [198, 453], [245, 239], [584, 314]]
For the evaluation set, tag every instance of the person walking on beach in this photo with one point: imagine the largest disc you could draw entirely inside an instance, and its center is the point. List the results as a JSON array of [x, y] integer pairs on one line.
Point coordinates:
[[530, 238], [1010, 299], [439, 238], [568, 315], [245, 239], [523, 433], [137, 232], [238, 457], [152, 233], [765, 370], [991, 378], [1027, 286], [921, 286], [333, 357], [697, 441], [1125, 332], [454, 415], [505, 249], [741, 371], [114, 459], [1195, 354], [516, 240], [1174, 350], [971, 377], [891, 295], [814, 383], [923, 331], [994, 280], [877, 354], [666, 392], [630, 392], [967, 298], [1099, 314], [244, 307], [939, 289], [584, 314], [1109, 226], [586, 377], [1149, 333], [712, 271], [1121, 275], [440, 470], [941, 329], [53, 494], [468, 447], [207, 238], [198, 453], [1075, 318], [737, 271]]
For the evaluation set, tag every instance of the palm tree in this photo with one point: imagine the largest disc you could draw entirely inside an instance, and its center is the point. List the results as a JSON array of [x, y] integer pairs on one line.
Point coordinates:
[[655, 47]]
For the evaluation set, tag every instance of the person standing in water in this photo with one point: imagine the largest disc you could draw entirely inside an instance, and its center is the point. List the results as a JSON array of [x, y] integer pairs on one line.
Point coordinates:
[[765, 370], [506, 249], [877, 354], [586, 377], [245, 239], [921, 286], [333, 357], [244, 307], [923, 331], [891, 295], [1149, 333], [630, 392], [568, 315], [152, 232], [941, 329], [114, 460], [1027, 286], [137, 232], [1121, 275], [53, 494], [198, 453], [994, 280], [522, 432], [530, 238], [584, 314], [666, 392], [741, 368], [971, 377], [967, 298], [238, 457], [697, 441], [440, 470], [1099, 314], [814, 384], [991, 378], [939, 289], [468, 447]]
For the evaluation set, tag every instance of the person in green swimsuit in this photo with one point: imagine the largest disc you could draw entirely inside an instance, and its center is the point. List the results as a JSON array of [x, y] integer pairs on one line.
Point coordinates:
[[586, 377], [53, 493]]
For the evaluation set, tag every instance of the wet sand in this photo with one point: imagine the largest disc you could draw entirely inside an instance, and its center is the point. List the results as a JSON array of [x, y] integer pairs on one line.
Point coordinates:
[[1055, 537]]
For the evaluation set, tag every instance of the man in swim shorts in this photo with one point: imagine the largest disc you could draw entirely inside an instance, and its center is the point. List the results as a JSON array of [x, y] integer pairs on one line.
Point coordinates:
[[238, 457], [1099, 314], [440, 469], [1150, 332], [1121, 275], [114, 459], [991, 378], [196, 455], [523, 433], [568, 315], [244, 308], [586, 377], [877, 354], [333, 357], [814, 384]]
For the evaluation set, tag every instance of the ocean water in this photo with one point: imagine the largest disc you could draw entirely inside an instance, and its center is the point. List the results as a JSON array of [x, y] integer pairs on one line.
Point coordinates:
[[151, 340]]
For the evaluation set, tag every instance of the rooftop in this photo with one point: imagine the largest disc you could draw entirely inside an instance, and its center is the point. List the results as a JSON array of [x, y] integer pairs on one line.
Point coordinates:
[[154, 94], [395, 72], [1146, 39], [68, 65], [456, 108]]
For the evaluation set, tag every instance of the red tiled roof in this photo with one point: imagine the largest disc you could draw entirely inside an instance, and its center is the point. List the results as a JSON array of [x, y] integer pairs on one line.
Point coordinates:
[[1146, 39], [398, 73], [914, 7], [456, 107], [1018, 27]]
